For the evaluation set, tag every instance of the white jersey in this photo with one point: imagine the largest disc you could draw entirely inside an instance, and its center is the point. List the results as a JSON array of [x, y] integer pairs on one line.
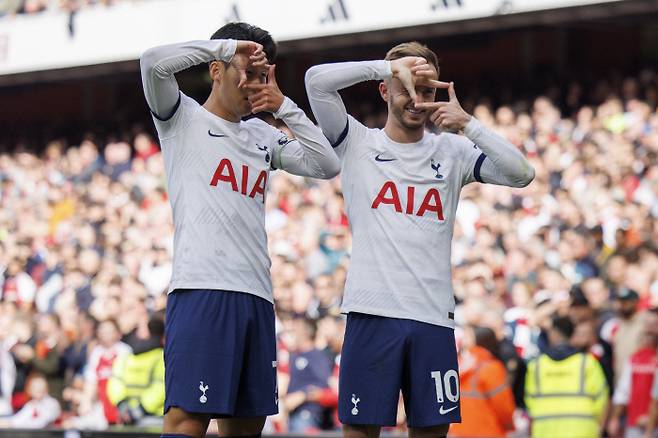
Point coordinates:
[[401, 201], [217, 174]]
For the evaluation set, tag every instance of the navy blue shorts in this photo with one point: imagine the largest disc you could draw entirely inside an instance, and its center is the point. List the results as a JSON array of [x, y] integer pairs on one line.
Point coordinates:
[[220, 354], [382, 356]]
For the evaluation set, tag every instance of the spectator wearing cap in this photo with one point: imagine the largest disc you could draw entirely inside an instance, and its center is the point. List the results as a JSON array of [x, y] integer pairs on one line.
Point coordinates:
[[565, 389], [630, 323], [632, 395]]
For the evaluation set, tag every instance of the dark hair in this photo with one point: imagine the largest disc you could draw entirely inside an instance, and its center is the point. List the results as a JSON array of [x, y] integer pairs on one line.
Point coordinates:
[[563, 325], [156, 325], [578, 298], [486, 338], [247, 32]]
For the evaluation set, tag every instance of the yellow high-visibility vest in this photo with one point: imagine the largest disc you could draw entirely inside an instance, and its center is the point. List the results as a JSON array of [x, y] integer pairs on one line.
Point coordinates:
[[139, 378], [566, 398]]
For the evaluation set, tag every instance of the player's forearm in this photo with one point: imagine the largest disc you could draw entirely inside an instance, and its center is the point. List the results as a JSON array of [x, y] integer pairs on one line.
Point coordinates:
[[324, 81], [159, 64], [311, 155], [505, 164]]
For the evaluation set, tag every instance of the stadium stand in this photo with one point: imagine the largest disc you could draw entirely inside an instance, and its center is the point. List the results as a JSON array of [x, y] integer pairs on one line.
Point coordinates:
[[86, 242]]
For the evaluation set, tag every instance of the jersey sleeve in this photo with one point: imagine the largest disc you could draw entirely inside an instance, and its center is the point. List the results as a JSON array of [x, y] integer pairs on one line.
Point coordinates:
[[322, 85], [309, 153], [471, 159], [185, 109], [158, 66], [353, 134]]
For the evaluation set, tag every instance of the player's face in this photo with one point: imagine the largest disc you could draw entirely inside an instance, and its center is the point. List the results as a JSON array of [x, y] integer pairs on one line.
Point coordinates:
[[401, 106], [237, 98]]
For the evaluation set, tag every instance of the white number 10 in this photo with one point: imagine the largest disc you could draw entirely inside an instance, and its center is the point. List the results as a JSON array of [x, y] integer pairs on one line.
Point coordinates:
[[443, 385]]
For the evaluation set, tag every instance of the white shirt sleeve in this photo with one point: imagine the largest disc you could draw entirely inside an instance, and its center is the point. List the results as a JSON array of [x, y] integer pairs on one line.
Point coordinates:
[[309, 154], [322, 85], [500, 161], [159, 64], [623, 389]]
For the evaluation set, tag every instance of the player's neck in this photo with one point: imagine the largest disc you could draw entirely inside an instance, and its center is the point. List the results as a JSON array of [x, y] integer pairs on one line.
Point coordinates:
[[216, 106], [399, 134]]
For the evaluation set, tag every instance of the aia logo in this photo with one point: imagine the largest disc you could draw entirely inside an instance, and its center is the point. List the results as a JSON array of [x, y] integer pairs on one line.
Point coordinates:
[[389, 195], [225, 173]]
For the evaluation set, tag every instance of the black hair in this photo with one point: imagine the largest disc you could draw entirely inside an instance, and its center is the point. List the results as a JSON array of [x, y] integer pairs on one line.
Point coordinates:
[[563, 325], [248, 32], [578, 298], [486, 338], [156, 325]]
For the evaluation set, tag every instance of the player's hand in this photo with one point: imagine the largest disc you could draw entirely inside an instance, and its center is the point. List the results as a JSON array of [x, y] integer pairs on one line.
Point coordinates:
[[448, 116], [407, 70], [266, 97], [248, 54]]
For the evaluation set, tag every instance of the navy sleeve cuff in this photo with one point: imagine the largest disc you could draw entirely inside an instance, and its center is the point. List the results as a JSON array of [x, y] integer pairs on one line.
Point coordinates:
[[478, 165], [173, 111], [342, 135]]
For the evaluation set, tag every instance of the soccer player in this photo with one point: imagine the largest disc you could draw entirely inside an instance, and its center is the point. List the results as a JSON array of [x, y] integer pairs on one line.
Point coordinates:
[[220, 342], [401, 186]]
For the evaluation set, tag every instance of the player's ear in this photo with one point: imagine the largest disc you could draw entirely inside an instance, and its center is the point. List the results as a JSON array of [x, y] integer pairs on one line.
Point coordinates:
[[216, 70], [383, 90]]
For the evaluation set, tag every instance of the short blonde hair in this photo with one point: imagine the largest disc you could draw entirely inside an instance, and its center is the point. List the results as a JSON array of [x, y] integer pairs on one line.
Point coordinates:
[[413, 48]]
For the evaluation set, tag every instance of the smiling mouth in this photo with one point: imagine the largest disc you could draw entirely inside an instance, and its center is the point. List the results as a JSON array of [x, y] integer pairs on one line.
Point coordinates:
[[415, 112]]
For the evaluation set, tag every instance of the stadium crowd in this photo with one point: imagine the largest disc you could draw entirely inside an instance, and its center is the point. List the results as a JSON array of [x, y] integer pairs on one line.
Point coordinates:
[[86, 241], [14, 7]]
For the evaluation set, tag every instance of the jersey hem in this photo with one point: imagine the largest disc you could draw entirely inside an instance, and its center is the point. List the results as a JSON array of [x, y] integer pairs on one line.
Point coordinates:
[[400, 315], [219, 287]]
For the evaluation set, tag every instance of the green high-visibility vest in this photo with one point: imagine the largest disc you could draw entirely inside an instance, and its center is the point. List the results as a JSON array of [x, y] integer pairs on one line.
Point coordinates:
[[566, 398], [139, 378]]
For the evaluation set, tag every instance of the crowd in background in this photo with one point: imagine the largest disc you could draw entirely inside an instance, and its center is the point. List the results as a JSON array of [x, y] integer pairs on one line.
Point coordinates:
[[86, 242], [14, 7]]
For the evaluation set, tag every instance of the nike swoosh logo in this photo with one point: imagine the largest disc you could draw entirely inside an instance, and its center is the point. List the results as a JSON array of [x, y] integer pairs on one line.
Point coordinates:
[[445, 411], [383, 160], [216, 135]]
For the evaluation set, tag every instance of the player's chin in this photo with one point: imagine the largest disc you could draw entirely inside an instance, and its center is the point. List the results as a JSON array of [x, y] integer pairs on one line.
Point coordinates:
[[415, 120]]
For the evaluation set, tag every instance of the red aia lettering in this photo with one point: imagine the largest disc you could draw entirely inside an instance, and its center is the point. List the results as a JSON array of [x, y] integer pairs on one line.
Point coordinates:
[[225, 173], [388, 194]]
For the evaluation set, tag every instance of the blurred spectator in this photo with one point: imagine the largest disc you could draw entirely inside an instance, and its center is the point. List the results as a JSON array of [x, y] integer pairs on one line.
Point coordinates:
[[565, 389], [136, 387], [39, 412], [487, 402], [310, 370], [95, 409], [630, 325], [7, 374], [47, 358], [632, 395], [86, 228], [652, 419]]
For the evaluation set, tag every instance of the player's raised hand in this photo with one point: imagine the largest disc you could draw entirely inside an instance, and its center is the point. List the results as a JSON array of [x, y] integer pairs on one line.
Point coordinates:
[[266, 97], [248, 53], [449, 116], [407, 70]]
